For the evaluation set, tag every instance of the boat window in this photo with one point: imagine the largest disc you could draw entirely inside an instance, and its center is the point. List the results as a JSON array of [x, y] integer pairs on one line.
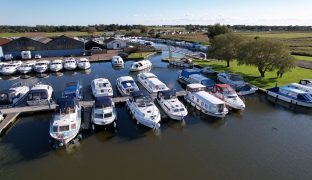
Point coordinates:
[[4, 97], [98, 115], [55, 128], [202, 104], [197, 100], [73, 126], [67, 110], [235, 77], [64, 128], [182, 109], [107, 115], [30, 96], [176, 110]]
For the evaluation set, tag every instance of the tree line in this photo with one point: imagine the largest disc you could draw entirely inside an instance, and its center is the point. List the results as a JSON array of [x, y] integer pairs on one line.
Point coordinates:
[[63, 28], [118, 27], [265, 54]]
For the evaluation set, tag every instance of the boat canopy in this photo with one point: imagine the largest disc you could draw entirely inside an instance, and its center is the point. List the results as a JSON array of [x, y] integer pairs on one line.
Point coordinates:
[[66, 102], [224, 88], [236, 77], [168, 94], [140, 95], [102, 102], [187, 72], [71, 89], [6, 97]]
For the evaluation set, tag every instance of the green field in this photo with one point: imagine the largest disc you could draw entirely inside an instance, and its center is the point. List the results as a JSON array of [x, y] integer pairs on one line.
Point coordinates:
[[52, 34], [140, 55], [299, 43], [196, 37], [251, 74], [304, 58]]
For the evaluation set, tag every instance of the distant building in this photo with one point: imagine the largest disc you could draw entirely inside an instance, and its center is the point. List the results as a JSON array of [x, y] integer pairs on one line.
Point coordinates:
[[115, 43], [92, 44], [59, 46], [2, 42]]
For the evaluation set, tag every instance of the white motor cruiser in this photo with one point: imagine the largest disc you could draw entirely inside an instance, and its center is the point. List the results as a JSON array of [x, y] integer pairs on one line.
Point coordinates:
[[70, 64], [14, 95], [27, 67], [143, 110], [204, 101], [126, 85], [141, 65], [41, 66], [66, 123], [103, 112], [301, 87], [56, 65], [227, 94], [40, 94], [84, 64], [151, 82], [101, 87], [169, 102], [10, 68], [117, 61]]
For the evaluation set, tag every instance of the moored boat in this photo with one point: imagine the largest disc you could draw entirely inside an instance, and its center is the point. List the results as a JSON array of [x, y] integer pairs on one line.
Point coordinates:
[[14, 95], [10, 68], [70, 64], [291, 95], [26, 67], [40, 94], [101, 87], [151, 82], [56, 65], [126, 85], [143, 110], [140, 65], [227, 94], [66, 123], [84, 64], [117, 61], [41, 66], [171, 105], [103, 112], [74, 90], [204, 101]]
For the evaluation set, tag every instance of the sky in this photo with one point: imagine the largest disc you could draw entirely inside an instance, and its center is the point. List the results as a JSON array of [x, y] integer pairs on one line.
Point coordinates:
[[155, 12]]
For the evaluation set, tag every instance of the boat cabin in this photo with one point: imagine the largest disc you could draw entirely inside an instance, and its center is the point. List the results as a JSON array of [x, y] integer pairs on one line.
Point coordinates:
[[101, 103], [306, 82], [224, 89], [141, 98], [66, 106], [168, 94], [7, 97], [292, 93], [73, 89], [200, 79]]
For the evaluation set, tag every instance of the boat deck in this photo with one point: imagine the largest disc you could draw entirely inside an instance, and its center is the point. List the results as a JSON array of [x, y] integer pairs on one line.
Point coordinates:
[[11, 114]]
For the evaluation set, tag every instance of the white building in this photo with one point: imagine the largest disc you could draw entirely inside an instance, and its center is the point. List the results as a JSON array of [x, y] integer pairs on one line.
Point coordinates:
[[115, 44]]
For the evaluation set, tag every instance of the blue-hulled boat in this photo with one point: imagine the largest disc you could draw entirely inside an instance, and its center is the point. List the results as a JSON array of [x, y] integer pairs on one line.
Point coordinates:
[[73, 89], [291, 95]]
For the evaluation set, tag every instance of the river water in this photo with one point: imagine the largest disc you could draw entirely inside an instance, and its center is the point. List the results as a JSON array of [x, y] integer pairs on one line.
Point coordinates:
[[266, 141]]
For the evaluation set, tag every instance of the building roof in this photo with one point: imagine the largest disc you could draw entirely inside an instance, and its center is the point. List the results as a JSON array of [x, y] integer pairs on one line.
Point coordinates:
[[4, 41], [109, 40], [41, 39]]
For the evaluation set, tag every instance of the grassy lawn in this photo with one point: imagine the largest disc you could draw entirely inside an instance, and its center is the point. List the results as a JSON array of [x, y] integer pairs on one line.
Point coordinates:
[[52, 34], [252, 75], [277, 35], [197, 37], [305, 58], [139, 55]]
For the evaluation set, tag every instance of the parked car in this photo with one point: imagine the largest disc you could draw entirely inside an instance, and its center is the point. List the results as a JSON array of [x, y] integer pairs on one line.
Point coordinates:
[[123, 55], [96, 49], [37, 56]]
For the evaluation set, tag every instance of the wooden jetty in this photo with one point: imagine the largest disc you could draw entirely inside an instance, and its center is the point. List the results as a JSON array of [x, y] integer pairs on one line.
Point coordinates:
[[11, 114]]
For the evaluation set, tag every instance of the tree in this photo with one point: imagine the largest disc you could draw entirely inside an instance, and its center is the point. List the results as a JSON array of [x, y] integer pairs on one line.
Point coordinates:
[[225, 46], [217, 29], [91, 30], [266, 55], [144, 29]]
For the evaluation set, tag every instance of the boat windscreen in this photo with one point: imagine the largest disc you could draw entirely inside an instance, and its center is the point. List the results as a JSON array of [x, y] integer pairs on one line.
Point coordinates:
[[127, 84], [235, 77]]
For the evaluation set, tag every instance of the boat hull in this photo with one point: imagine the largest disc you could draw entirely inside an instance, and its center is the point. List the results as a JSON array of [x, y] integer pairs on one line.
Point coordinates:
[[288, 100]]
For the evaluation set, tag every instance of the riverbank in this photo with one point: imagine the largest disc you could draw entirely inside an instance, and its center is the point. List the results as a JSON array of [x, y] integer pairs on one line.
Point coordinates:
[[252, 75]]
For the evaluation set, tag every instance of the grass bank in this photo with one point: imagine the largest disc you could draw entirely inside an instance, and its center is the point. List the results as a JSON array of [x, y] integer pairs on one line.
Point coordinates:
[[140, 55], [304, 58], [252, 75]]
